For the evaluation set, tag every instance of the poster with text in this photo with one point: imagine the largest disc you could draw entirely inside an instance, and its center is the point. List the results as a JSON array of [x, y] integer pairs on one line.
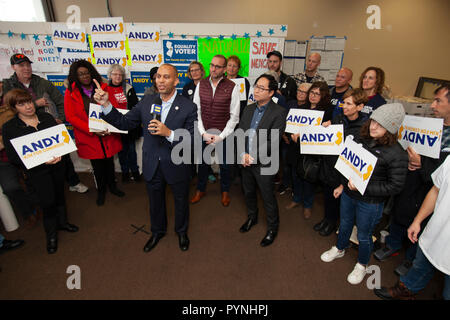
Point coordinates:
[[298, 118], [144, 36], [259, 48], [321, 140], [65, 37], [179, 51], [46, 55], [107, 29]]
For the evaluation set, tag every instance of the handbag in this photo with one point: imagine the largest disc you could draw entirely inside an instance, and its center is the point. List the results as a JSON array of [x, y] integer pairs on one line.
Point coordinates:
[[311, 168]]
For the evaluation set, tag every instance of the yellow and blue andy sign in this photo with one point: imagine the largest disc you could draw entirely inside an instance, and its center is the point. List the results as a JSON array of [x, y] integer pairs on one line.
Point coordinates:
[[356, 164], [146, 58], [298, 118], [321, 140], [424, 135], [107, 29], [41, 146], [143, 36], [67, 35], [108, 45]]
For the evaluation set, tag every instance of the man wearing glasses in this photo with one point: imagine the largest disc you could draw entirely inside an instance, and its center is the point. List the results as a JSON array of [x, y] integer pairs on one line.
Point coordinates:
[[218, 102], [264, 115]]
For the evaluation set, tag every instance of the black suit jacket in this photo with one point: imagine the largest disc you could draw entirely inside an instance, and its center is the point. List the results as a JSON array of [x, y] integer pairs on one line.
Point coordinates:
[[274, 118], [156, 150]]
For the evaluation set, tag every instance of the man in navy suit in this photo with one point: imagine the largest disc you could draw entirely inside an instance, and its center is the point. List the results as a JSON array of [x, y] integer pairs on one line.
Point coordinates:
[[177, 112]]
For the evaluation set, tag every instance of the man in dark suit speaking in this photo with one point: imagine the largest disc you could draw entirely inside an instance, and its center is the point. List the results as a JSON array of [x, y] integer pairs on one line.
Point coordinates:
[[264, 115], [159, 169]]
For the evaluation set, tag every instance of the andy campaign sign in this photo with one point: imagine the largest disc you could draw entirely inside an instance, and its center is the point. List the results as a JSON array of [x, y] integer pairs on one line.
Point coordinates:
[[111, 29], [321, 140], [356, 163], [424, 135], [68, 38], [37, 148], [97, 124], [302, 117], [144, 36], [240, 82]]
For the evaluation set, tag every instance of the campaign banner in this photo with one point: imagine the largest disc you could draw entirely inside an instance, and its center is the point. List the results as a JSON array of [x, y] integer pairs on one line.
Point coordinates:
[[140, 80], [69, 56], [102, 64], [259, 48], [41, 146], [321, 140], [107, 29], [97, 124], [46, 55], [179, 51], [240, 82], [297, 118], [424, 135], [144, 36], [208, 48], [145, 59], [109, 49], [65, 37], [356, 163], [58, 81], [182, 77]]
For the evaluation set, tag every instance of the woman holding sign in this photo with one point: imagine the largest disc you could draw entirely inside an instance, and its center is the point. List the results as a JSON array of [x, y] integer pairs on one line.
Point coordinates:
[[99, 147], [47, 179], [379, 137]]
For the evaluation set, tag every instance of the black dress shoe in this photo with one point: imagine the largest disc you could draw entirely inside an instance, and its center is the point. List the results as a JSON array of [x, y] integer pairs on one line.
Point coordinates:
[[52, 245], [69, 227], [136, 176], [153, 241], [183, 242], [116, 192], [10, 245], [319, 226], [327, 230], [268, 239], [101, 198], [248, 225]]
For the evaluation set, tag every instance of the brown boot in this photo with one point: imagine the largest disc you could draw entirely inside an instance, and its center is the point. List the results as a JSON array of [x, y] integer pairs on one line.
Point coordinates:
[[225, 199], [292, 205], [197, 197], [397, 292], [307, 212]]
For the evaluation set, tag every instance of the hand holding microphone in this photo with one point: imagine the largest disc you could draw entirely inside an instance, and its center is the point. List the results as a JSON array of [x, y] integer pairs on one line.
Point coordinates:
[[155, 126]]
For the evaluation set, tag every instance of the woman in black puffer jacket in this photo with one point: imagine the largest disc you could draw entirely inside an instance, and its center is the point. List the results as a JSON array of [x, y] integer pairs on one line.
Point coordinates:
[[378, 136]]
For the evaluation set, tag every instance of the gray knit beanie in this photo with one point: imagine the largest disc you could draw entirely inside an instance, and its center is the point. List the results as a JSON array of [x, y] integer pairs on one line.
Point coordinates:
[[390, 116]]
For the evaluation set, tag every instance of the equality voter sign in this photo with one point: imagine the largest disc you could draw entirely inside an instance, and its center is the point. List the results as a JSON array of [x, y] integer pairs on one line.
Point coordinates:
[[41, 146], [65, 37], [297, 118], [321, 140], [180, 51], [240, 82], [424, 135], [356, 163], [97, 124]]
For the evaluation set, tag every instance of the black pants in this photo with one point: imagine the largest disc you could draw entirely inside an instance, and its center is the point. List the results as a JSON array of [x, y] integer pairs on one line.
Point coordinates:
[[9, 181], [252, 178], [71, 176], [104, 173], [156, 189], [331, 204], [48, 185]]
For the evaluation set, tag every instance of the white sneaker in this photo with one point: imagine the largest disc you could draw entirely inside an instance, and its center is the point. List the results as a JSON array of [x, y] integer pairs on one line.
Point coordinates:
[[332, 254], [81, 188], [357, 275]]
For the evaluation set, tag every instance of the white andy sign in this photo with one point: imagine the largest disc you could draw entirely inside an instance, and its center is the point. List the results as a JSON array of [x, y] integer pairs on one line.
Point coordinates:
[[321, 140], [37, 148], [97, 124], [356, 163], [302, 117]]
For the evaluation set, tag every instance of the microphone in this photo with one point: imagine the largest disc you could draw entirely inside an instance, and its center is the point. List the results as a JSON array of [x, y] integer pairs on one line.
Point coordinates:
[[155, 110]]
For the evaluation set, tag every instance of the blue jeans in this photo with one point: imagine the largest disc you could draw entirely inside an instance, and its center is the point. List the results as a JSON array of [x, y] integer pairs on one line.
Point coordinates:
[[225, 169], [367, 216], [394, 241], [1, 240], [128, 156], [302, 190], [421, 273]]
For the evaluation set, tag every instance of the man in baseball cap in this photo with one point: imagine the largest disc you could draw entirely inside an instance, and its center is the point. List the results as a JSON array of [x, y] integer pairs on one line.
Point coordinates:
[[18, 58]]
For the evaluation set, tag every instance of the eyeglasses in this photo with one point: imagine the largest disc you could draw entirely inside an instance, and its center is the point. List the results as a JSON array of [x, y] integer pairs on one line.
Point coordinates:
[[317, 94], [260, 88], [194, 70], [214, 66], [301, 91], [116, 74], [83, 74]]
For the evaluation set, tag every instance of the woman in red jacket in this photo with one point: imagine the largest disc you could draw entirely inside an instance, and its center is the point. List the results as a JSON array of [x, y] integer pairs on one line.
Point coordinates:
[[99, 147]]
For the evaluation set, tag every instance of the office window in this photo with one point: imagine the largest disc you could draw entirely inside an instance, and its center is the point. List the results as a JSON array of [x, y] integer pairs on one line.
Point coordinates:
[[22, 10]]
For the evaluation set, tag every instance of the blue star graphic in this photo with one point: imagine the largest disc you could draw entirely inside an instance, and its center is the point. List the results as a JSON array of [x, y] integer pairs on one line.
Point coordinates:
[[10, 34], [48, 38], [283, 28], [183, 36], [233, 36], [36, 37], [170, 34], [221, 37], [208, 38], [196, 37], [23, 36], [246, 35], [271, 32], [258, 34]]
